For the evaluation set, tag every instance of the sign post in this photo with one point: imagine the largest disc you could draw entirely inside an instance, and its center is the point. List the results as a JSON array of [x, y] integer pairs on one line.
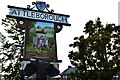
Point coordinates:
[[40, 38]]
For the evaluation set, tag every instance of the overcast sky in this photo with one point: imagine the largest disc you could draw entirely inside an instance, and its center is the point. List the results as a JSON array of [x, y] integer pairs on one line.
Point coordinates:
[[80, 12]]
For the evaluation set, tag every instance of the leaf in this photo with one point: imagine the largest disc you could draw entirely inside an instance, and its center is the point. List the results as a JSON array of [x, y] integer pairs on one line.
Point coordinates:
[[75, 38], [10, 31], [7, 45], [71, 45]]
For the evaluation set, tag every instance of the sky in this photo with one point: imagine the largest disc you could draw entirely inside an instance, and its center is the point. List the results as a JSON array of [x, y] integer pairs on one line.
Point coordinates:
[[80, 11]]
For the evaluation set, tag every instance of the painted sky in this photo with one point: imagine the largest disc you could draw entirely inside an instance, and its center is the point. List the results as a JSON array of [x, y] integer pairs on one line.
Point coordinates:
[[43, 24]]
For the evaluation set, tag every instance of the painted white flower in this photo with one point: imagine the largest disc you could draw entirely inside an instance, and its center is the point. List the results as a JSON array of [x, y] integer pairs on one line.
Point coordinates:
[[21, 22], [58, 27]]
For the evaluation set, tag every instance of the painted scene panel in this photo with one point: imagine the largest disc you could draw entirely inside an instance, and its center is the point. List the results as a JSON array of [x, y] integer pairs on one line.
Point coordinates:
[[40, 41]]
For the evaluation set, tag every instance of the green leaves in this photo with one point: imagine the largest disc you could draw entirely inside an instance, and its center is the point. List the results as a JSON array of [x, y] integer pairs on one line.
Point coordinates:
[[7, 45], [99, 51], [12, 50]]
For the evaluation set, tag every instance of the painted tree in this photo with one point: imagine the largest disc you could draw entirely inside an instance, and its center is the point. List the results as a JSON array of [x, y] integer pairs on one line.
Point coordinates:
[[98, 55], [12, 49]]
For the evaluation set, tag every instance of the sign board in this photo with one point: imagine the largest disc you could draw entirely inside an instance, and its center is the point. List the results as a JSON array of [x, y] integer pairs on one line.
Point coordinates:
[[38, 15], [41, 28]]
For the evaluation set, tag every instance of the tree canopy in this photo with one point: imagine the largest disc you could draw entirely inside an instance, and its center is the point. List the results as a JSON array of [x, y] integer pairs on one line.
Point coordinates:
[[98, 54], [12, 49]]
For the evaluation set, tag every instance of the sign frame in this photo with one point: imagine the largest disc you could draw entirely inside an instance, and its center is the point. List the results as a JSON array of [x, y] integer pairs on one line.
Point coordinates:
[[30, 18]]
